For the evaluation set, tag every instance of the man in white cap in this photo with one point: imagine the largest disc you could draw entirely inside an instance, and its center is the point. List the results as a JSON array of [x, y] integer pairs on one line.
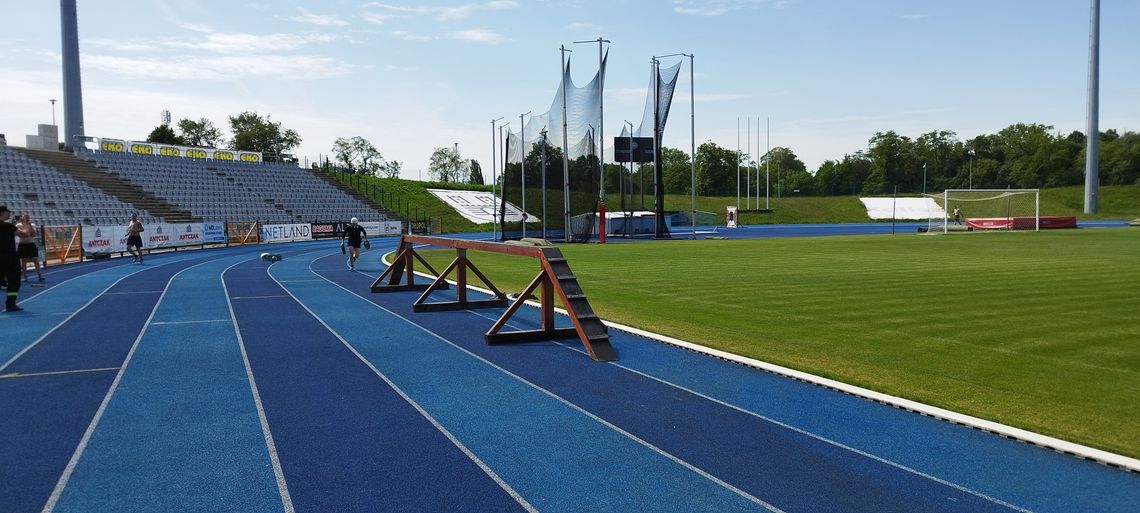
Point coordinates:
[[356, 236]]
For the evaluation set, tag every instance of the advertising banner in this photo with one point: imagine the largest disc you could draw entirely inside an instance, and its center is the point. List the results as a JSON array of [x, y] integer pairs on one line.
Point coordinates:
[[105, 239], [479, 206], [286, 232], [242, 232], [214, 232], [328, 229], [382, 228]]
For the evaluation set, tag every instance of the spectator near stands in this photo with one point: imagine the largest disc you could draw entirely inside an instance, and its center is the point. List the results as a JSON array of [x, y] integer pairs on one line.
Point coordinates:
[[27, 249], [9, 261]]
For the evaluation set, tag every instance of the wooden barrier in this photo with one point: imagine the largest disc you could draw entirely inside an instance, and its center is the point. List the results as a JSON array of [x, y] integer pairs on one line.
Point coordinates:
[[61, 244], [554, 277]]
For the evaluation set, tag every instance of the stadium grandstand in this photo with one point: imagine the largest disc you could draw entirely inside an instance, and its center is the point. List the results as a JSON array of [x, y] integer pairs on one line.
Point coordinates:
[[93, 187]]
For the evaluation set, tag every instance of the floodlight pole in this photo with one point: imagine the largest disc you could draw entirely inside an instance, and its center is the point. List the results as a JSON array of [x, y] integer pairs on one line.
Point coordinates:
[[1092, 136], [924, 178], [494, 198], [758, 162], [747, 173], [565, 154], [601, 139], [53, 100], [522, 162]]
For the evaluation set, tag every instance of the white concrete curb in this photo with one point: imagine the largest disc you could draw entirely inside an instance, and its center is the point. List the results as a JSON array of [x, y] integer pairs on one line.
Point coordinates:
[[1021, 435]]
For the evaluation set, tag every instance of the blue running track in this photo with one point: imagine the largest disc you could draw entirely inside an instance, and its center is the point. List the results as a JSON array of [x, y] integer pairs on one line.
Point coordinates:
[[213, 381]]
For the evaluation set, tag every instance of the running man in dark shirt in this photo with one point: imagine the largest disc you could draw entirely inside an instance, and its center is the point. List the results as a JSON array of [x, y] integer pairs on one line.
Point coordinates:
[[356, 235], [10, 259]]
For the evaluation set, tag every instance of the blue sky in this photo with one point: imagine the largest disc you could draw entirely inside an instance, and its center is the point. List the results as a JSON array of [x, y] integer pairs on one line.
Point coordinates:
[[414, 76]]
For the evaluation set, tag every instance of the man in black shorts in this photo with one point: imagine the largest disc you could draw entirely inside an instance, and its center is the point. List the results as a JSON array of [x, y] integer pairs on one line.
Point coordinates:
[[9, 259], [356, 236], [134, 238]]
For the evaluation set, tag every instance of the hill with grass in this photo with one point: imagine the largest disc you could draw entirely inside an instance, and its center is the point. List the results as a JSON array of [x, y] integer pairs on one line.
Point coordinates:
[[410, 199]]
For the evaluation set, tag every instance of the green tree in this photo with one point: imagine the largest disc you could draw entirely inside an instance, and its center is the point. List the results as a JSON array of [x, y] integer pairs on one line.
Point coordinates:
[[476, 176], [447, 166], [358, 154], [391, 169], [676, 171], [199, 133], [716, 170], [255, 133], [163, 134]]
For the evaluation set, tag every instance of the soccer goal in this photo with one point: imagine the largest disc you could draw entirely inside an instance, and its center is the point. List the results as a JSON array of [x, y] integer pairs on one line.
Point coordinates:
[[986, 209]]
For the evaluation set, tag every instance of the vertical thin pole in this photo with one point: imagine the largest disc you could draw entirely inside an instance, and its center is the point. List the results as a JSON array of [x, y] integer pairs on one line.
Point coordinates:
[[747, 173], [693, 142], [544, 184], [522, 160], [738, 163], [501, 208], [565, 155], [494, 222], [757, 162], [601, 148], [1092, 152]]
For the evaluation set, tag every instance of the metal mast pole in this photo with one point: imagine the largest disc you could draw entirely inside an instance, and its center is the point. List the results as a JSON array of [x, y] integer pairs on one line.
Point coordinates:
[[544, 183], [1092, 152], [693, 142], [747, 173], [757, 162], [738, 162], [522, 161], [565, 153], [501, 212], [767, 162], [494, 198]]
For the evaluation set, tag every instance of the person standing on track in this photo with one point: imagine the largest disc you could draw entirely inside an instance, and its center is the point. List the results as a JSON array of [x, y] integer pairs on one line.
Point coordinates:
[[134, 238], [27, 249], [10, 259], [356, 235]]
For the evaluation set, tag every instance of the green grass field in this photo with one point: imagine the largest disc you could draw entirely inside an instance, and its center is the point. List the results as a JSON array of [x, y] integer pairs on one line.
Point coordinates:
[[1035, 330]]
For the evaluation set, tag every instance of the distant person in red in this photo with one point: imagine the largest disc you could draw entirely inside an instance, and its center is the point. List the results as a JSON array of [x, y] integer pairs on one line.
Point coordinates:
[[134, 238], [10, 259], [356, 236]]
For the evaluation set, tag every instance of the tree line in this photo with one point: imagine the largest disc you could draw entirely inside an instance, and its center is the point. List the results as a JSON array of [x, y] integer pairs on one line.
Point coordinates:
[[250, 132], [1021, 156]]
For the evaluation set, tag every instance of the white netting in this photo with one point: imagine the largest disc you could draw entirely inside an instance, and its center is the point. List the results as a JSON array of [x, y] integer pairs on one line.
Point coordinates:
[[583, 115], [986, 209]]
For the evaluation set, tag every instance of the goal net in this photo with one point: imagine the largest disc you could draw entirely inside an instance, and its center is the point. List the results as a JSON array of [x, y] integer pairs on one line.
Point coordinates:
[[986, 209]]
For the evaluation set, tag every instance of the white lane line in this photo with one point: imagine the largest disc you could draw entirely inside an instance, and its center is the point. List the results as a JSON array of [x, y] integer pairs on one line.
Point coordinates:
[[159, 323], [455, 441], [74, 461], [54, 373], [69, 316], [134, 292], [259, 297], [801, 431], [271, 446], [627, 434]]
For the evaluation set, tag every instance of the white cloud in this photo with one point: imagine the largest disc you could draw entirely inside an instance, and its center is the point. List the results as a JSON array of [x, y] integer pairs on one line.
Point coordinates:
[[719, 11], [913, 16], [713, 8], [479, 35], [244, 43], [376, 18], [121, 46], [321, 20], [457, 13], [408, 36], [224, 67]]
